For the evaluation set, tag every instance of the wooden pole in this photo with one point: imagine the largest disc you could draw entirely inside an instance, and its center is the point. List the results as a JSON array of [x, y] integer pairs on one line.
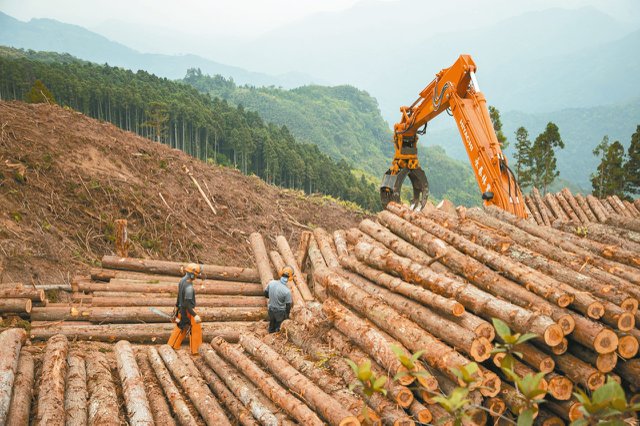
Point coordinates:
[[122, 241]]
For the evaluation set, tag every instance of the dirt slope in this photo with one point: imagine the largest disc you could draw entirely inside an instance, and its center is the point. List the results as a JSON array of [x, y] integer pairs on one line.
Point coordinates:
[[65, 178]]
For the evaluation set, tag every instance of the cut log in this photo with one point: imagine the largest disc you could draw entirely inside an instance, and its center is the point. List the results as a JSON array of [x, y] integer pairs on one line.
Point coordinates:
[[279, 264], [605, 363], [628, 344], [570, 199], [298, 410], [618, 206], [15, 306], [11, 341], [216, 272], [542, 207], [495, 406], [298, 276], [584, 206], [420, 412], [150, 299], [238, 386], [315, 255], [554, 206], [438, 356], [22, 293], [387, 409], [103, 401], [632, 208], [219, 288], [369, 339], [340, 241], [303, 246], [157, 401], [533, 210], [630, 372], [579, 371], [226, 397], [515, 401], [138, 409], [201, 397], [20, 407], [138, 333], [182, 413], [481, 276], [474, 299], [325, 242], [136, 314], [320, 401], [567, 410], [535, 358], [478, 348], [262, 259], [50, 409], [566, 207], [629, 223], [561, 348], [76, 396], [597, 208]]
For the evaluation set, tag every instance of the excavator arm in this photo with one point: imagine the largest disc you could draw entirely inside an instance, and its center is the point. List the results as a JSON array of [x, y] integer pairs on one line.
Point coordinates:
[[455, 90]]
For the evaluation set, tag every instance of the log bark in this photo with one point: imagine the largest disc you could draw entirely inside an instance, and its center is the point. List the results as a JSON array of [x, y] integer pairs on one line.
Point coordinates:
[[567, 410], [553, 204], [279, 264], [22, 293], [262, 259], [50, 409], [226, 397], [20, 407], [76, 396], [520, 369], [515, 401], [298, 410], [542, 207], [386, 407], [605, 363], [325, 242], [15, 306], [568, 196], [320, 401], [298, 276], [477, 273], [103, 402], [598, 210], [630, 371], [608, 207], [303, 246], [138, 409], [438, 356], [157, 401], [219, 288], [628, 344], [138, 333], [631, 208], [315, 255], [560, 387], [150, 299], [11, 341], [629, 223], [370, 340], [533, 209], [567, 208], [340, 241], [579, 371], [478, 348], [479, 302], [200, 395], [216, 272], [324, 378], [182, 413], [238, 386], [584, 206], [535, 358], [618, 206], [144, 314]]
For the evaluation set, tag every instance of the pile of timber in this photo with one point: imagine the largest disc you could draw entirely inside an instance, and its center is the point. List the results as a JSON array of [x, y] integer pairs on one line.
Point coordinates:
[[434, 280], [565, 209], [121, 300]]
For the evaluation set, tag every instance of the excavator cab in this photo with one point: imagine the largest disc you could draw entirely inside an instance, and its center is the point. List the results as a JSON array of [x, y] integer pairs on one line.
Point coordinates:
[[391, 187]]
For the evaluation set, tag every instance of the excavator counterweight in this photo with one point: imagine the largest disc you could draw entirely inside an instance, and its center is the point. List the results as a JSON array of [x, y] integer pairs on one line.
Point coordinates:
[[455, 90]]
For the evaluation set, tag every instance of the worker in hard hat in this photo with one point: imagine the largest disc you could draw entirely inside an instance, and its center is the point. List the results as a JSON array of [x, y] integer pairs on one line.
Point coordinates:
[[186, 319], [280, 301]]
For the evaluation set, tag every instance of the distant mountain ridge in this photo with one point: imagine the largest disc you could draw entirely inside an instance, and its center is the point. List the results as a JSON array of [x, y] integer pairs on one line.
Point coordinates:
[[52, 35]]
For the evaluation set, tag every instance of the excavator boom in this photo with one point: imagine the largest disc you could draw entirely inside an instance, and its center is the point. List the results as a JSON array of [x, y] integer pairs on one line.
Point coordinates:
[[454, 89]]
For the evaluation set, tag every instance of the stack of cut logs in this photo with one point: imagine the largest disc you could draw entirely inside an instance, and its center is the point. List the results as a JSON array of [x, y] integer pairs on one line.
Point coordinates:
[[565, 210], [408, 281], [121, 301]]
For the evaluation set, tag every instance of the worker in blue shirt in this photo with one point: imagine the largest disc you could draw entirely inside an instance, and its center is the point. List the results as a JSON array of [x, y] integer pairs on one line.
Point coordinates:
[[280, 301]]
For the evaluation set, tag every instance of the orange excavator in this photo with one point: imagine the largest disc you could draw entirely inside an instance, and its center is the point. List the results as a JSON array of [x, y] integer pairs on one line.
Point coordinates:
[[456, 91]]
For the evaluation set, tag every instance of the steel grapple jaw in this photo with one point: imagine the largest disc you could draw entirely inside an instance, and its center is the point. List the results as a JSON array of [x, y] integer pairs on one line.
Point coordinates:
[[391, 187]]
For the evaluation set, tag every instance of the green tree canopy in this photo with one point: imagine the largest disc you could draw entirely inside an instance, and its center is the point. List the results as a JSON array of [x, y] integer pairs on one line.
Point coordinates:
[[494, 114], [610, 177], [523, 157], [543, 159], [39, 94], [632, 166]]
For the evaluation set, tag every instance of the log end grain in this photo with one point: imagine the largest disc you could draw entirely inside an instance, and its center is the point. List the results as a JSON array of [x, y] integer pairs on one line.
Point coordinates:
[[481, 349], [477, 416], [630, 305], [560, 387], [491, 384], [567, 323], [595, 310], [404, 397], [627, 346], [606, 341], [546, 365], [350, 421], [626, 321], [428, 382], [564, 300], [554, 334], [496, 406], [595, 380], [607, 362], [485, 330], [457, 309], [561, 348]]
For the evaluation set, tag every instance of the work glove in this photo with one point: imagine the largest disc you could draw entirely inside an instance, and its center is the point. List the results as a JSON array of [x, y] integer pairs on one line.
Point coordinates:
[[197, 319], [176, 319]]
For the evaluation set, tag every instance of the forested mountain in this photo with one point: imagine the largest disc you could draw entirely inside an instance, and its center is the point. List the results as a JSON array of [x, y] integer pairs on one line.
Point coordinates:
[[178, 115], [346, 124]]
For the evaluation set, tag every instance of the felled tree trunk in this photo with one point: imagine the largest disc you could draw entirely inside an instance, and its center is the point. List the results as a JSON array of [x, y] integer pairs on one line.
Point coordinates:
[[76, 396], [325, 241], [553, 204], [138, 410], [51, 390], [103, 402], [200, 395], [227, 273], [22, 293], [605, 363], [298, 410], [150, 299], [584, 206], [157, 401], [303, 246], [579, 371], [580, 214], [222, 288], [321, 402], [597, 208], [10, 343], [289, 258], [20, 407], [632, 224], [566, 207], [15, 306], [261, 257], [182, 413], [533, 209], [542, 207], [630, 371]]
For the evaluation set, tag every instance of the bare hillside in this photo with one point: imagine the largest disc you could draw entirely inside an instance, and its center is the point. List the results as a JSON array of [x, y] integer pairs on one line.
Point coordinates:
[[65, 179]]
